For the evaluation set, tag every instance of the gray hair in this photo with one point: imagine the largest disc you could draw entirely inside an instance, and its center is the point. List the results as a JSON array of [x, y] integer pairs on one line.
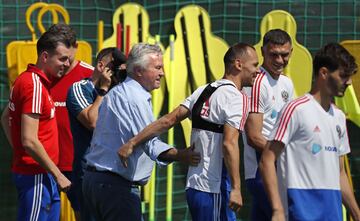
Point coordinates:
[[138, 56]]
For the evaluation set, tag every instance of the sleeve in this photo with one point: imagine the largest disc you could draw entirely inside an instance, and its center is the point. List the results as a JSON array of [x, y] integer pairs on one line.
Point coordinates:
[[190, 101], [32, 95], [258, 98], [78, 98], [234, 110], [285, 125], [344, 147], [142, 115]]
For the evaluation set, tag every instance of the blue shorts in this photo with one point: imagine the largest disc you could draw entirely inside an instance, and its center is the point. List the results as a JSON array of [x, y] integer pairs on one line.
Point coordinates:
[[260, 208], [205, 206], [226, 214], [38, 197]]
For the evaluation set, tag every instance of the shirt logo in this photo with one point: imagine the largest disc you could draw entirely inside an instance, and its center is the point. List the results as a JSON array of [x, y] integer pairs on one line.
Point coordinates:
[[316, 129], [338, 130], [285, 96], [274, 114], [60, 104], [316, 148], [205, 111], [331, 149]]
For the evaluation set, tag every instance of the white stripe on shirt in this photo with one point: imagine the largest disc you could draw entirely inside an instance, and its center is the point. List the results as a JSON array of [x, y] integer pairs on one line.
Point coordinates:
[[79, 96], [37, 89]]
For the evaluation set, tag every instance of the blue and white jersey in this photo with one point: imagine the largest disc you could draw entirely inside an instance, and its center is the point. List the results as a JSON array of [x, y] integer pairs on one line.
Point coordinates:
[[308, 169], [80, 95]]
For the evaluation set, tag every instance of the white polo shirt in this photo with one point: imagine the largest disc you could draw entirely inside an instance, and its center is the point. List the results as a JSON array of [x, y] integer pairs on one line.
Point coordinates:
[[226, 105], [308, 169]]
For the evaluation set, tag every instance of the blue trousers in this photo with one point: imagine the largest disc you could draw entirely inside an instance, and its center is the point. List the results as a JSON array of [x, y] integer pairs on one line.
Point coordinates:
[[38, 197], [111, 197]]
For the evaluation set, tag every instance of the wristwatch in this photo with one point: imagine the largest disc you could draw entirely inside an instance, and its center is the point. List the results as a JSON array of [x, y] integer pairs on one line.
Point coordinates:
[[101, 92]]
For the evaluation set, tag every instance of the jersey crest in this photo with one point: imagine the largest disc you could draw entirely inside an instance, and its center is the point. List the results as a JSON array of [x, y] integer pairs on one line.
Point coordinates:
[[285, 96]]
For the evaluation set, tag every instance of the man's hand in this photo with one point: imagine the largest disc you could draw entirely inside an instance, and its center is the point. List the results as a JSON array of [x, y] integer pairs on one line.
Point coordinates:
[[278, 215], [105, 79], [189, 156], [124, 152], [63, 183], [235, 201]]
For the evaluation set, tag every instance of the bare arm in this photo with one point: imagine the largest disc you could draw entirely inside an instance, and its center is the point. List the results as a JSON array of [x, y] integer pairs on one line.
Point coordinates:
[[232, 162], [5, 124], [32, 145], [253, 129], [268, 173], [154, 129], [348, 197], [88, 116]]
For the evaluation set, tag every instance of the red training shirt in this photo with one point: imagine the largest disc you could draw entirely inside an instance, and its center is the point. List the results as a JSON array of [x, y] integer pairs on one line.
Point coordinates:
[[30, 94], [59, 93]]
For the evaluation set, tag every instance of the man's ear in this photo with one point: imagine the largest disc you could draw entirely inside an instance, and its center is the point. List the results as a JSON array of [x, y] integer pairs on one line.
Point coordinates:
[[323, 72], [291, 51], [137, 71], [238, 64], [100, 65], [44, 56]]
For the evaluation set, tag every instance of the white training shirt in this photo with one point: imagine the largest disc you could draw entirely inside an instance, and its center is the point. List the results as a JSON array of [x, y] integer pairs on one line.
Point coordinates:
[[267, 96], [226, 105], [308, 169]]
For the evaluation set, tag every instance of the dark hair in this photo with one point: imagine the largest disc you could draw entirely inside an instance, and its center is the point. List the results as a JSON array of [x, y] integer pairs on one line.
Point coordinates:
[[235, 51], [103, 53], [277, 37], [58, 33], [333, 56], [118, 58]]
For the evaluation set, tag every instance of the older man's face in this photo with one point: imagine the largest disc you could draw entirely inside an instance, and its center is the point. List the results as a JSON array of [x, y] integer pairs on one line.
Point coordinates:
[[153, 72]]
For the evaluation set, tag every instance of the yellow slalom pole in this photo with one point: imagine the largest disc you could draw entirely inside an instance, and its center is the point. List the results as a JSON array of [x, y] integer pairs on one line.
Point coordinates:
[[169, 190], [152, 196], [100, 35], [348, 172], [153, 174]]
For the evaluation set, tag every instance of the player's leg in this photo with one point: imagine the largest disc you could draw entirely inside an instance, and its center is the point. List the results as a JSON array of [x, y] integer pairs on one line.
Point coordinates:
[[52, 193], [226, 214], [38, 198], [111, 197], [260, 208], [72, 195], [203, 206]]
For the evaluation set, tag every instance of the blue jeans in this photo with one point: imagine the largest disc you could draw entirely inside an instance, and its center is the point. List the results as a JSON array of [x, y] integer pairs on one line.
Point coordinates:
[[111, 198]]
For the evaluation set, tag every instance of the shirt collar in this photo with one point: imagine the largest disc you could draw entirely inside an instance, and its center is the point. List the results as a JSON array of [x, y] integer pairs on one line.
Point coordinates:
[[40, 73], [137, 86]]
